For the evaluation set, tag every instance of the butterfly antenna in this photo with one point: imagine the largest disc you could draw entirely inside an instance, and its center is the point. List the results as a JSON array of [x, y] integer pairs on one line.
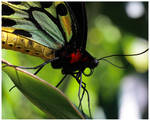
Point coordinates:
[[121, 67], [123, 55]]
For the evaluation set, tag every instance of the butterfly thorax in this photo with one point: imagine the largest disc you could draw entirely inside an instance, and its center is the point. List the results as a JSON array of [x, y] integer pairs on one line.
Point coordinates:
[[72, 60]]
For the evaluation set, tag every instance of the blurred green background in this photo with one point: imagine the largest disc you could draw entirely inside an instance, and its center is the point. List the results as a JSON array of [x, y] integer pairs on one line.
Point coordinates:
[[113, 28]]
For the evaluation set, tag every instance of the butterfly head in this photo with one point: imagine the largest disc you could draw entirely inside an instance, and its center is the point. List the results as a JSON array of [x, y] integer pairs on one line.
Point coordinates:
[[74, 60]]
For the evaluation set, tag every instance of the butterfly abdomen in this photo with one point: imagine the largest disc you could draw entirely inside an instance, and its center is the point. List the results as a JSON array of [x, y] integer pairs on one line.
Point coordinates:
[[22, 44]]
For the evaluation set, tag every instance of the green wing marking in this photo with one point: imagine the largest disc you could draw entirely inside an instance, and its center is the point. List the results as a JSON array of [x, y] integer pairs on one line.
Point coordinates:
[[43, 22]]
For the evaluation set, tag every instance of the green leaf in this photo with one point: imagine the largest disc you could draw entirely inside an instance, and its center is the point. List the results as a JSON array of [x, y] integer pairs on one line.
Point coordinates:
[[45, 96]]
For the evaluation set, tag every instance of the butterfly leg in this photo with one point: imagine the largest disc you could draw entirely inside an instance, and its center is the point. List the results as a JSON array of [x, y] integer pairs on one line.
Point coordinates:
[[79, 78], [12, 88], [39, 67], [80, 84], [17, 77], [88, 97], [79, 93], [82, 94], [83, 86], [61, 80]]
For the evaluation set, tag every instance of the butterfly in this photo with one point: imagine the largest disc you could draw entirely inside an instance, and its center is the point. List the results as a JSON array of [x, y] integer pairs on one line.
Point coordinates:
[[54, 31], [59, 38]]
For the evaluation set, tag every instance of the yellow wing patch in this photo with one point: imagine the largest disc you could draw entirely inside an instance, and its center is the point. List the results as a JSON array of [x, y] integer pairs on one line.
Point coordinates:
[[67, 26], [66, 21]]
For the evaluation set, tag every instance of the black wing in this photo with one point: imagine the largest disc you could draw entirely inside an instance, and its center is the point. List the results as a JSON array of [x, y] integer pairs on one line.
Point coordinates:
[[80, 24]]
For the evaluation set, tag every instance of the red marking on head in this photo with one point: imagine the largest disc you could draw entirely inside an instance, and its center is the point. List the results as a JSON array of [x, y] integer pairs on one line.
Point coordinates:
[[75, 57]]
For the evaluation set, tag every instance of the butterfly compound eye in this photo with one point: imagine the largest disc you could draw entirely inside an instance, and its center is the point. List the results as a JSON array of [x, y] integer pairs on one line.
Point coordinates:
[[94, 63]]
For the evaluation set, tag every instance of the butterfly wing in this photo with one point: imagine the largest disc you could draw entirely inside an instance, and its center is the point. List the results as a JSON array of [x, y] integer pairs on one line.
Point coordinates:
[[44, 22], [80, 19], [50, 24]]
